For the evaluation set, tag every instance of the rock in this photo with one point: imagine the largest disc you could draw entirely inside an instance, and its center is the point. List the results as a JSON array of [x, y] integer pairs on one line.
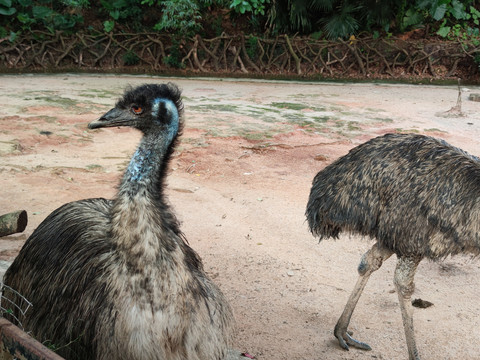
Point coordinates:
[[474, 97]]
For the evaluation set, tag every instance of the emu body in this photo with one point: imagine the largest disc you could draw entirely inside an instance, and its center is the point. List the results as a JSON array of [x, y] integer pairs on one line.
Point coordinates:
[[116, 279], [417, 196]]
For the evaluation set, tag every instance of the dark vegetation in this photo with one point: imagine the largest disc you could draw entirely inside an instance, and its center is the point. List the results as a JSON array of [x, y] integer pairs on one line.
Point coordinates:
[[409, 39]]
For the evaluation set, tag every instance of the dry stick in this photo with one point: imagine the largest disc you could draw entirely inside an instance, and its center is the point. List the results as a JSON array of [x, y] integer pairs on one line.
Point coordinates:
[[43, 46], [236, 58], [13, 222], [295, 57], [357, 56], [456, 111], [187, 57], [114, 56], [158, 57], [89, 49], [337, 60], [20, 57], [401, 51], [160, 43], [28, 53], [262, 53], [114, 53], [217, 44], [247, 58], [381, 56], [280, 56], [146, 47], [195, 56], [155, 58], [428, 64], [65, 53], [216, 41], [320, 57], [285, 59], [306, 58], [454, 67], [212, 55], [272, 51], [422, 58], [226, 46]]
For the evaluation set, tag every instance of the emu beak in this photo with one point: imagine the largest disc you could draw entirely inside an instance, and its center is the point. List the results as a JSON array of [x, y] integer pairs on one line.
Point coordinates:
[[114, 117]]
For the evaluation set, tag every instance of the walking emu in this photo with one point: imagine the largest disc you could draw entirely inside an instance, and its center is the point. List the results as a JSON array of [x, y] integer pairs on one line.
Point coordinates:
[[115, 279], [416, 195]]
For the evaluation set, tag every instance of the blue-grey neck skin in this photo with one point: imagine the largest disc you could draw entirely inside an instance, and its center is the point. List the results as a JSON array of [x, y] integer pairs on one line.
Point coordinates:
[[145, 165]]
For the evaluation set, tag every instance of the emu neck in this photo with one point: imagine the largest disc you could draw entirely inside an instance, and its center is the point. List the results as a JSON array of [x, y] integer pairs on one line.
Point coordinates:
[[139, 212], [144, 169]]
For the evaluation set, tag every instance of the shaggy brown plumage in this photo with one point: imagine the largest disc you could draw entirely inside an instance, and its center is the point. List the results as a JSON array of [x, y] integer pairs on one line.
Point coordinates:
[[416, 195], [116, 279]]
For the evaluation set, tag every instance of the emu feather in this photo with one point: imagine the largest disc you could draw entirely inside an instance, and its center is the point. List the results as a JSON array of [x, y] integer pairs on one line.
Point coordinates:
[[116, 279], [417, 196]]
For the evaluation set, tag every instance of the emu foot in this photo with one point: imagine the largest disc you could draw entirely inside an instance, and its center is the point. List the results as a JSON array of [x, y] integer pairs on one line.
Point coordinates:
[[345, 340]]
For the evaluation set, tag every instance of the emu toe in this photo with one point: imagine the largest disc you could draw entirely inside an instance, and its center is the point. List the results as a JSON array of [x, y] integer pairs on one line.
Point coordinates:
[[345, 340]]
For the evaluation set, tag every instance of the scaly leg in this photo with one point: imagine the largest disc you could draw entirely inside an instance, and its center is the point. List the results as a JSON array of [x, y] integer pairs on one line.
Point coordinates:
[[371, 261], [404, 273]]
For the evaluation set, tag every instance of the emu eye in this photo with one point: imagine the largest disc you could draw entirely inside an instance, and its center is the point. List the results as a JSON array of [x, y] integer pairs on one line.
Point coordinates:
[[137, 110]]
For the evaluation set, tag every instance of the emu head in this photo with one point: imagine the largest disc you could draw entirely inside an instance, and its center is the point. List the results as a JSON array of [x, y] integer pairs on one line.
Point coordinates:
[[148, 108]]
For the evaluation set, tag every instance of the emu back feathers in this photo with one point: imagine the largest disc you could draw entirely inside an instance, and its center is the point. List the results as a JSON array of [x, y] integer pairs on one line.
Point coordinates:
[[71, 277], [415, 194], [46, 270]]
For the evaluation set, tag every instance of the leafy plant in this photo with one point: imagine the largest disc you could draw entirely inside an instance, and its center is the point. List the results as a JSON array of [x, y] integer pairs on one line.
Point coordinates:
[[341, 24], [174, 58], [6, 8], [108, 25], [128, 12], [179, 15], [252, 47], [254, 6], [453, 28], [130, 58], [49, 14], [334, 18]]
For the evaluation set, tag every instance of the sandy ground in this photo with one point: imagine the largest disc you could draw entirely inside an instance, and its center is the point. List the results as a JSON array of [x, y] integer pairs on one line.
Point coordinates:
[[239, 182]]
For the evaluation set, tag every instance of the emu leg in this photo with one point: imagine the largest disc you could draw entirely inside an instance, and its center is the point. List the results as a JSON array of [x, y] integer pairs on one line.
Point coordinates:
[[404, 273], [371, 261]]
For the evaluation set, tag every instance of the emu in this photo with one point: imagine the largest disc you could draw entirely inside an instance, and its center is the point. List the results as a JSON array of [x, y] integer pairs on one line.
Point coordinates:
[[116, 279], [416, 195]]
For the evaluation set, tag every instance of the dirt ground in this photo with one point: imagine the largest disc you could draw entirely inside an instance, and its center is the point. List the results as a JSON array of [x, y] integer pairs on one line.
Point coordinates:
[[239, 182]]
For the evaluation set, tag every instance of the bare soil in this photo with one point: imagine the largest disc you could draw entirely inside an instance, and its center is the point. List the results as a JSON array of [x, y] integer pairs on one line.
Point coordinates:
[[239, 182]]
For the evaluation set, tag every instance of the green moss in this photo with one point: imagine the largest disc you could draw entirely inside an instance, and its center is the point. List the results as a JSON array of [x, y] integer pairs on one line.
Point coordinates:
[[213, 107], [407, 131], [95, 93], [288, 105], [94, 167]]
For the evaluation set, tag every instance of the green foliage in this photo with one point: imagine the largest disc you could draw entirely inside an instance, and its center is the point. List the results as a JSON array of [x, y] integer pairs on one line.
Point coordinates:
[[108, 25], [477, 60], [174, 59], [342, 24], [255, 7], [179, 16], [252, 47], [316, 35], [334, 18], [130, 58], [6, 8], [331, 19], [448, 17], [458, 21], [46, 14], [122, 12]]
